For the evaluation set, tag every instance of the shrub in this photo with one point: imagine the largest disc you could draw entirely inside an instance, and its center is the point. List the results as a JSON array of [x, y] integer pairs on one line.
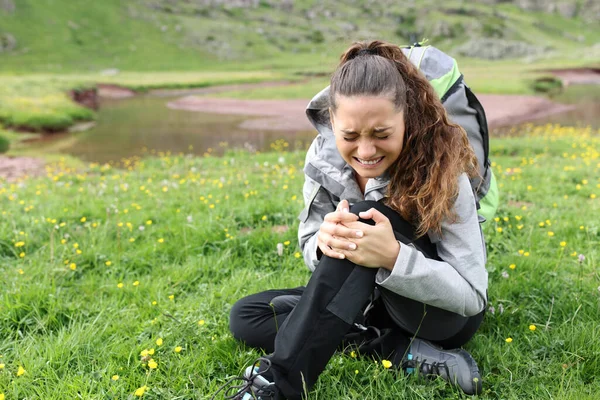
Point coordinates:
[[4, 144]]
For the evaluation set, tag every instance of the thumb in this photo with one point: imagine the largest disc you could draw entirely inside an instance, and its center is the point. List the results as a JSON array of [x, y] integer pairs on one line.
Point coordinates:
[[375, 215], [343, 206]]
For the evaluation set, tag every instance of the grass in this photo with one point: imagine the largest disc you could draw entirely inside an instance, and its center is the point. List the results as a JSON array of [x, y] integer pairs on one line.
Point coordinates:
[[99, 263]]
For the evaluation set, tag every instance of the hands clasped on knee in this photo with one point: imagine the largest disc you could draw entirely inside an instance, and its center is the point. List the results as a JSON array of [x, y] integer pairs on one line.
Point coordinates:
[[343, 236]]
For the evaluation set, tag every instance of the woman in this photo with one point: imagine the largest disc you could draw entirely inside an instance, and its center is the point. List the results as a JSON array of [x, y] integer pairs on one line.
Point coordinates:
[[390, 231]]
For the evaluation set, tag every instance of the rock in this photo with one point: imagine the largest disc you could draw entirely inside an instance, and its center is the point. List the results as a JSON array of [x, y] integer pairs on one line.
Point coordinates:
[[86, 97], [109, 72], [81, 126], [7, 42], [567, 10], [8, 6], [495, 49]]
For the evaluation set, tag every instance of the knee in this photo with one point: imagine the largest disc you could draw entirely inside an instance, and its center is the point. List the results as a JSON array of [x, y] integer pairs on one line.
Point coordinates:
[[363, 206], [239, 317]]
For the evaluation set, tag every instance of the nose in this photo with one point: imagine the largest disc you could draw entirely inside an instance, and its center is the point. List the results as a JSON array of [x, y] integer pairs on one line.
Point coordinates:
[[366, 149]]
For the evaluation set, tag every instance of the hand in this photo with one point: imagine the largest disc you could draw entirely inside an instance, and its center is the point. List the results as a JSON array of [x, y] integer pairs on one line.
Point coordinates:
[[334, 236], [378, 247]]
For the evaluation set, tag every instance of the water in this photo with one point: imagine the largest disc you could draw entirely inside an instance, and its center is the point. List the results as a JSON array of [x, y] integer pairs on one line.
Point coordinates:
[[134, 126]]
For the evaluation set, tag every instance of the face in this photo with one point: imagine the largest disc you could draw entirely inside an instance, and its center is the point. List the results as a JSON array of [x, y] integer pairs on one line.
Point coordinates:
[[369, 133]]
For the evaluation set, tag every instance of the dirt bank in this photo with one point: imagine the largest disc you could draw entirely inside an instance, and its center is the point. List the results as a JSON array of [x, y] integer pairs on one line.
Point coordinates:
[[579, 76], [12, 168], [288, 115]]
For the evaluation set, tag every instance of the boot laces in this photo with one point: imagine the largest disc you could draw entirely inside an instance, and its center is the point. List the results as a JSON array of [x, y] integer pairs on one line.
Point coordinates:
[[428, 368], [235, 392]]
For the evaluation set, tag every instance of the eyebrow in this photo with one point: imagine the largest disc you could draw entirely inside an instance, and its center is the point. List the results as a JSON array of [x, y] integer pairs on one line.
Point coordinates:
[[377, 130]]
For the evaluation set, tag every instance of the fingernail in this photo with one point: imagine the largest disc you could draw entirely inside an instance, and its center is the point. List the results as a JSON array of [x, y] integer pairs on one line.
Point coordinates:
[[352, 246], [342, 256], [345, 210], [359, 234]]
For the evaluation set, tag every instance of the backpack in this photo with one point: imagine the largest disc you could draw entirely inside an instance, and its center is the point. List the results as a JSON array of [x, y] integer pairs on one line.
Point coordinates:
[[461, 106]]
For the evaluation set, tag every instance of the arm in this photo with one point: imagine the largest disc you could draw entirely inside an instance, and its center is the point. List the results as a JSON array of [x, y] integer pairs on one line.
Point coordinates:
[[317, 203], [459, 282]]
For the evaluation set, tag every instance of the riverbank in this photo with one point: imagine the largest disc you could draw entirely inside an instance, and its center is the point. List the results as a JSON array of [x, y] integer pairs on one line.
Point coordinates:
[[289, 115], [280, 113]]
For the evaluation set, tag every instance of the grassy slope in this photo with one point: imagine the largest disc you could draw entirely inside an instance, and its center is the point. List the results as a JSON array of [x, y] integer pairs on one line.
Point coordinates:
[[73, 329], [65, 36]]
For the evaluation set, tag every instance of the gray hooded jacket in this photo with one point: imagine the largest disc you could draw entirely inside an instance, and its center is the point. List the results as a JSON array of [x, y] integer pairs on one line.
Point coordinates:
[[458, 283]]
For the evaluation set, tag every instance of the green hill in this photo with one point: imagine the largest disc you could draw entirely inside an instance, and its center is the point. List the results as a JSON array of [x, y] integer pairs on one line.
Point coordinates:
[[176, 35]]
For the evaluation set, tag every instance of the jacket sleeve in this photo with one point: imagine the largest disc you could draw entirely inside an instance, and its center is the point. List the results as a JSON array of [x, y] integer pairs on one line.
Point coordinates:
[[317, 203], [458, 283]]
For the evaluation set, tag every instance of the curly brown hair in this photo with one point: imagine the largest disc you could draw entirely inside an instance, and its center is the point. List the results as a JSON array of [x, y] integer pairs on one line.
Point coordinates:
[[424, 179]]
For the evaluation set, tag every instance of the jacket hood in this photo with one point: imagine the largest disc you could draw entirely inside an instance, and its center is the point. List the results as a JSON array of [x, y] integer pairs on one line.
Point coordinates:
[[317, 112]]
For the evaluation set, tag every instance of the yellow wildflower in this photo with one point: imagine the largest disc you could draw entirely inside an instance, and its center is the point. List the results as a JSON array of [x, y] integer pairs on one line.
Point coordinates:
[[297, 254], [161, 240], [21, 371], [550, 233], [178, 349], [136, 283], [149, 222], [73, 266], [201, 322], [152, 364], [120, 285], [139, 392], [508, 340], [563, 244], [115, 377], [19, 244], [108, 263], [264, 218], [386, 363], [532, 327], [512, 266], [159, 342], [83, 219]]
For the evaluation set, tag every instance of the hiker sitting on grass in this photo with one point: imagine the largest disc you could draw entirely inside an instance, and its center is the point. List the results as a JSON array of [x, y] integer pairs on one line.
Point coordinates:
[[390, 231]]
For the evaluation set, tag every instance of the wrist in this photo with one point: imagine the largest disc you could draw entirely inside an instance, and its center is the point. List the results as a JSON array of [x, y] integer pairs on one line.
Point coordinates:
[[393, 257]]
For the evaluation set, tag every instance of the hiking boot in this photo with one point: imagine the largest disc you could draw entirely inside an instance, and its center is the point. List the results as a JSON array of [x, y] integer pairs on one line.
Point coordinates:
[[254, 387], [455, 366]]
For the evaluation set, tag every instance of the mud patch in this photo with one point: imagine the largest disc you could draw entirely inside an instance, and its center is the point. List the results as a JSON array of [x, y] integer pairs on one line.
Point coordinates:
[[14, 168]]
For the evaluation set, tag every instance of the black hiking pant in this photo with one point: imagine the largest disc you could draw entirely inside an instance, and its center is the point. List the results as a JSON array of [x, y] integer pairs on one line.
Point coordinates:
[[303, 327]]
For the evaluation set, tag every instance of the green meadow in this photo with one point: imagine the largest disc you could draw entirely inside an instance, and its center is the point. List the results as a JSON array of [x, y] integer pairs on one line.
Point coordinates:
[[117, 282]]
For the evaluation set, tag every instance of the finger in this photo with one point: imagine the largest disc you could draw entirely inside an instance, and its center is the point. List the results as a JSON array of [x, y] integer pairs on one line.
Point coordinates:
[[339, 216], [343, 206], [337, 243], [329, 252], [375, 215], [341, 231]]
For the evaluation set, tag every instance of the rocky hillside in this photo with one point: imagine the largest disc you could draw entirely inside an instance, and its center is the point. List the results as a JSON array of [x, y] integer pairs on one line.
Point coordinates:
[[189, 34]]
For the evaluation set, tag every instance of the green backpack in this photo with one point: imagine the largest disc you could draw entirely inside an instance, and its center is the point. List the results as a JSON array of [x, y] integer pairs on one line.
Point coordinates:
[[464, 109]]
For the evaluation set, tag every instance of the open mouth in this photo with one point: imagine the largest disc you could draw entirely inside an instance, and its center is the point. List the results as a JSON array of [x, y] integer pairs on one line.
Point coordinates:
[[369, 163]]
